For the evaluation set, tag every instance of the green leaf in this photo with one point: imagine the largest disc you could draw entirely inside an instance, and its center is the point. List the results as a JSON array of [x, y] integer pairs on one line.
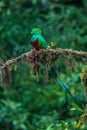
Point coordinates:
[[50, 127], [76, 107]]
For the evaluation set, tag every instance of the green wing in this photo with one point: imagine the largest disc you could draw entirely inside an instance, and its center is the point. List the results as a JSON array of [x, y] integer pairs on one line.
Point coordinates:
[[33, 38], [42, 42]]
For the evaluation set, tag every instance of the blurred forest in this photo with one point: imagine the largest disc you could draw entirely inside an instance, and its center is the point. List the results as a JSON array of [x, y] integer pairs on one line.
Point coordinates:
[[31, 104]]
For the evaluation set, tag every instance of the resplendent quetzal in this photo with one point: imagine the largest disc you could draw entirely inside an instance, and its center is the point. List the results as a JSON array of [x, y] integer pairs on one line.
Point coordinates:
[[38, 42], [37, 39]]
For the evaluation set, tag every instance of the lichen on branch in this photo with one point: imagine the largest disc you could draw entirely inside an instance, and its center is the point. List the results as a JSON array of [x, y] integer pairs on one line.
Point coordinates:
[[48, 56]]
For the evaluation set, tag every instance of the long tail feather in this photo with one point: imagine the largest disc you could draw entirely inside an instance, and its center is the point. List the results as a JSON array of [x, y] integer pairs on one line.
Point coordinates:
[[64, 87]]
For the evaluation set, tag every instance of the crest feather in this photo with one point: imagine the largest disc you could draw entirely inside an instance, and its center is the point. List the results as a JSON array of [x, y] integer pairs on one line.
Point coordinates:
[[36, 30]]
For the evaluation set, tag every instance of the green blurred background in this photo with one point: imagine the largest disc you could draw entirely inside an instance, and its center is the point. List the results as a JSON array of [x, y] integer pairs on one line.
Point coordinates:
[[30, 104]]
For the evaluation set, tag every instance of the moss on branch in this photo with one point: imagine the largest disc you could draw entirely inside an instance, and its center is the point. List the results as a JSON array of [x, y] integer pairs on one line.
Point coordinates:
[[48, 55]]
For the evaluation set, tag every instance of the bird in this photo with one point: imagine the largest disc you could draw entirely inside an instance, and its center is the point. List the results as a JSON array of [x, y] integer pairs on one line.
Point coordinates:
[[39, 42]]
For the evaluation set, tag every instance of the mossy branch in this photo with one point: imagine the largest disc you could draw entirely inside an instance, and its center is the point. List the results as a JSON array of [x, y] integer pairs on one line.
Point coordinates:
[[42, 57], [48, 55]]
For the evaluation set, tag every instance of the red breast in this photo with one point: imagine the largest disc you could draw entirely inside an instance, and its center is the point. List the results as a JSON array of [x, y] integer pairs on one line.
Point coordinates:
[[36, 45]]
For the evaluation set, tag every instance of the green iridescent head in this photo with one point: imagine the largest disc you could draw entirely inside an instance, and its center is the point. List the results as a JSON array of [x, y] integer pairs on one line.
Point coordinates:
[[36, 31]]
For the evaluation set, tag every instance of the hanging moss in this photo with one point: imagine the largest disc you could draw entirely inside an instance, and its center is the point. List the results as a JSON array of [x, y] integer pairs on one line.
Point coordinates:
[[50, 57], [84, 77], [83, 117]]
